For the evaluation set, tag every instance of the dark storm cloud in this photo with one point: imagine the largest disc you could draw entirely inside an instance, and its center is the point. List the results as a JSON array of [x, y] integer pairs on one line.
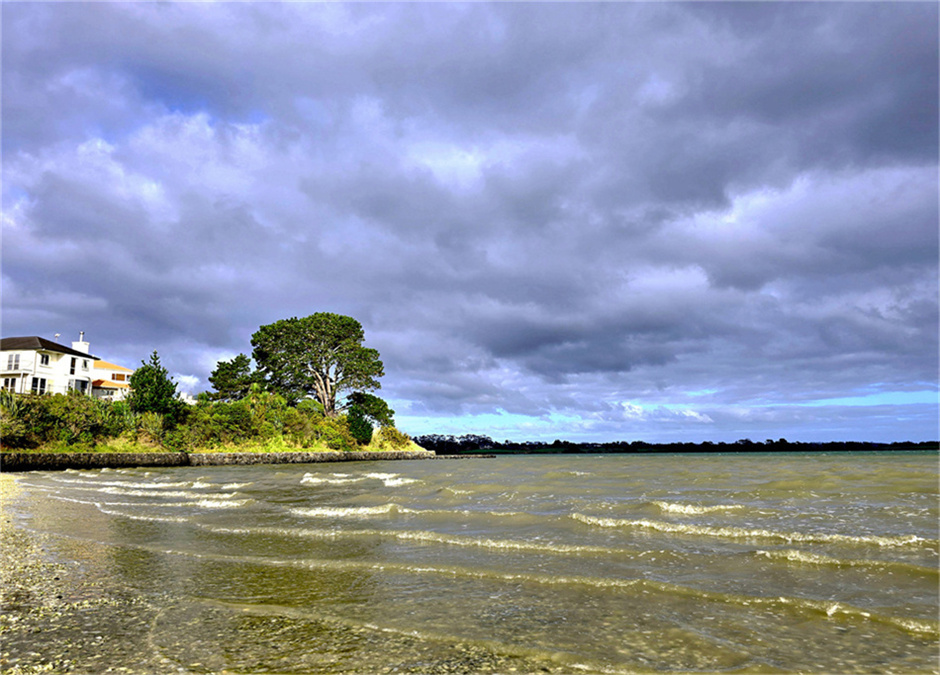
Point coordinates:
[[613, 218]]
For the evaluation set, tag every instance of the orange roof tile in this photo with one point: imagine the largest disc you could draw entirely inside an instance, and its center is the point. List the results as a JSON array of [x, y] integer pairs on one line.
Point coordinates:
[[107, 365]]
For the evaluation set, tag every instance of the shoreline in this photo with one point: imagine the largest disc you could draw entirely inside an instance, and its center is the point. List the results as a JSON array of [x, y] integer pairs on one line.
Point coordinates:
[[11, 462], [59, 612]]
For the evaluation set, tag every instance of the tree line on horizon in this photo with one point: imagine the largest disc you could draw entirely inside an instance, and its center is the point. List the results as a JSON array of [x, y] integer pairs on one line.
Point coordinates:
[[481, 444]]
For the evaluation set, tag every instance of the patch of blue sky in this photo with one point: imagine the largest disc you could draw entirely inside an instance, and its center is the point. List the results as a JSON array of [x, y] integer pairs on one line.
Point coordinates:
[[929, 396], [498, 425], [192, 94]]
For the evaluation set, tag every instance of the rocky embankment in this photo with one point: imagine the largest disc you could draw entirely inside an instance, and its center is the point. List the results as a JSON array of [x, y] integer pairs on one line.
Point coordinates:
[[23, 461]]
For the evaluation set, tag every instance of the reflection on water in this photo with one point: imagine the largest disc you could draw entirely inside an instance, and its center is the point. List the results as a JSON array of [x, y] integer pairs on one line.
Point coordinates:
[[665, 563]]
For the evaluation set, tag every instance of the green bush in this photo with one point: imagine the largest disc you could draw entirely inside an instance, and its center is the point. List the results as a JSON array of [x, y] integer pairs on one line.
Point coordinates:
[[299, 428], [359, 426], [29, 421], [14, 432], [398, 440], [209, 425], [121, 419], [334, 433], [267, 412], [151, 427], [80, 419], [310, 406], [177, 440]]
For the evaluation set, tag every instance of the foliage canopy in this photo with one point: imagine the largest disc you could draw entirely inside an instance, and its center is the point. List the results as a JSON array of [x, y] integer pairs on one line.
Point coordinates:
[[320, 355], [152, 390], [232, 380]]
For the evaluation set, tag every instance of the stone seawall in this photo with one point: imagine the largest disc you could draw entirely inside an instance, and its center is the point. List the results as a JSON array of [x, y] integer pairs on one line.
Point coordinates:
[[48, 461]]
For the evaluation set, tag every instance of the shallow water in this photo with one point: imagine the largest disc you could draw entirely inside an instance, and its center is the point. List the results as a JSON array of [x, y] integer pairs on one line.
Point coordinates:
[[568, 563]]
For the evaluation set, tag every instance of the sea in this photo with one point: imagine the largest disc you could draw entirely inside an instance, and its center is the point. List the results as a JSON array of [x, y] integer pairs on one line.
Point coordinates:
[[628, 563]]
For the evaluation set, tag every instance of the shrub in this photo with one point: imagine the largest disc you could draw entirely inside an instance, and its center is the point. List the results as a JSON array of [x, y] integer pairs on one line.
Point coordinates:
[[299, 428], [177, 440], [397, 440], [359, 426], [310, 406], [77, 418], [151, 426], [334, 433], [267, 412], [28, 421], [13, 427], [121, 419]]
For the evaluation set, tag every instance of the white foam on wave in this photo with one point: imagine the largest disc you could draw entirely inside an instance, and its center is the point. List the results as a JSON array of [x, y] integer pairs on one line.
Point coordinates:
[[95, 484], [148, 518], [203, 503], [427, 537], [75, 501], [221, 504], [695, 509], [350, 511], [181, 494], [389, 479], [744, 533], [497, 544], [334, 479], [806, 558]]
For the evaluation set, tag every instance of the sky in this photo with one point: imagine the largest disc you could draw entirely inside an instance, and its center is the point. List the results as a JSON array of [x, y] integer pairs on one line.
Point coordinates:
[[584, 221]]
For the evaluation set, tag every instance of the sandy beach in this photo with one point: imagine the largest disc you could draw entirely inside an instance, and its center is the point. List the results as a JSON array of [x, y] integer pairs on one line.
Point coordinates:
[[58, 615]]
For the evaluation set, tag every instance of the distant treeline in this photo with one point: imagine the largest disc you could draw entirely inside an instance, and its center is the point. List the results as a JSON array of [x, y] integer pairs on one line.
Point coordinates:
[[471, 443]]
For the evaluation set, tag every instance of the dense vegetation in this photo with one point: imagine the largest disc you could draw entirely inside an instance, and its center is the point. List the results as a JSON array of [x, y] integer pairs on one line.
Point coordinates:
[[308, 393], [476, 444], [260, 421]]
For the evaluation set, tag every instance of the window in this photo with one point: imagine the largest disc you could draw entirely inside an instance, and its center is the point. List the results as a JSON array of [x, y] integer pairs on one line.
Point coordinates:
[[78, 385], [72, 367], [13, 362], [39, 385], [84, 364], [119, 377], [9, 383], [43, 359]]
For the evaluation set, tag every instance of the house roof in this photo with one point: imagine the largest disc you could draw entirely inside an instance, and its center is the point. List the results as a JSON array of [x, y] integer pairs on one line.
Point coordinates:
[[108, 384], [38, 343], [107, 365]]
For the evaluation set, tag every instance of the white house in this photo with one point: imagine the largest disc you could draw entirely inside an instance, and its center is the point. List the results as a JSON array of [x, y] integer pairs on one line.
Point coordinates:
[[35, 364]]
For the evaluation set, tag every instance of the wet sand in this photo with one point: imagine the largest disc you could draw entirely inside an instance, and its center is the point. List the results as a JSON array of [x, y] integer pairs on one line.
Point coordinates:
[[55, 617]]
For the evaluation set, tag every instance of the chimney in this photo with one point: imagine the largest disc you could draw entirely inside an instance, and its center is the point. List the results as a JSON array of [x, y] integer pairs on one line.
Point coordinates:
[[81, 345]]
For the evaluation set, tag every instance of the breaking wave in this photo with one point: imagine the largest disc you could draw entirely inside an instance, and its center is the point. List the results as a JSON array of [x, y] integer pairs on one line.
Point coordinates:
[[350, 511], [388, 479], [695, 510], [744, 533]]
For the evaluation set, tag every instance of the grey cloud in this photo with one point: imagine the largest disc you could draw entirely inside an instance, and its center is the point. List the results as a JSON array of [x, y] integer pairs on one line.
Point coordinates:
[[539, 209]]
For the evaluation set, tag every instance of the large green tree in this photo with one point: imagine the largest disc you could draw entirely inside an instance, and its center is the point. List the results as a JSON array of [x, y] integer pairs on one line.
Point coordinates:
[[320, 355], [232, 380]]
